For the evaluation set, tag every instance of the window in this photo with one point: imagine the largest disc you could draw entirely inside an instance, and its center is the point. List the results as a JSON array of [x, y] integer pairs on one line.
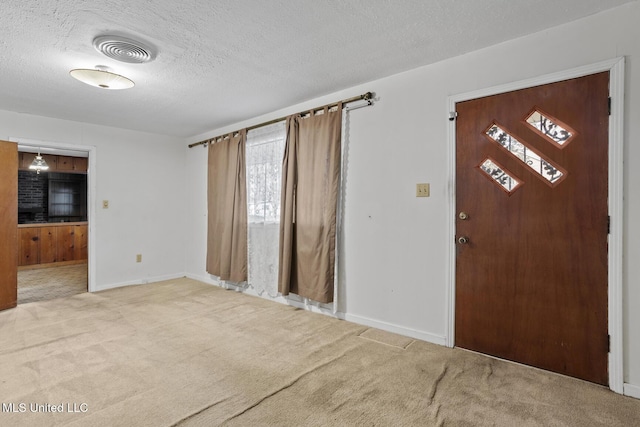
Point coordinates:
[[67, 197], [499, 175], [554, 129], [544, 169], [264, 152]]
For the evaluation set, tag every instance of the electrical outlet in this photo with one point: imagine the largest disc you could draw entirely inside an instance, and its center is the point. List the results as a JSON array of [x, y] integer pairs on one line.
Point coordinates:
[[422, 190], [105, 204], [139, 258]]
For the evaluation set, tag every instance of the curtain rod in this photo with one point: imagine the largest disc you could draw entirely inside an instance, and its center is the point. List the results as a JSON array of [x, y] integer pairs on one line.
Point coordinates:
[[365, 96]]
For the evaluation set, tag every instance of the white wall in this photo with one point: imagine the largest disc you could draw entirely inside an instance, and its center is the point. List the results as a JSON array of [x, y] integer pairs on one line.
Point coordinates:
[[146, 201], [395, 258]]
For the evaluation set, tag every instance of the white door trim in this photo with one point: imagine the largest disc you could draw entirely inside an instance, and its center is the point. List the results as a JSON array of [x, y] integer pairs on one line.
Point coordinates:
[[616, 90], [91, 188]]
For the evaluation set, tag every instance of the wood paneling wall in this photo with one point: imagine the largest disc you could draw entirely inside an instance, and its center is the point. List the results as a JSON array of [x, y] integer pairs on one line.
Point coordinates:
[[56, 163], [52, 244]]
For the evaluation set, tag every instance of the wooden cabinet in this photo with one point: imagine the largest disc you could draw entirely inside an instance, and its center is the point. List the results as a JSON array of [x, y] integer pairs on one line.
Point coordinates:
[[48, 245], [56, 163], [66, 243], [52, 243], [80, 164], [81, 242], [64, 164], [29, 246]]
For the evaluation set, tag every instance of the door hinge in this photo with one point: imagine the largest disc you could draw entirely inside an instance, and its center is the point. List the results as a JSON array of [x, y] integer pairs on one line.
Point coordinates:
[[609, 224], [609, 105], [609, 343], [453, 115]]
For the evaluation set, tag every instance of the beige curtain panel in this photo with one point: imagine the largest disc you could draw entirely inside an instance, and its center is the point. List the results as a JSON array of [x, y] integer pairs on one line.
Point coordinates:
[[227, 209], [310, 183]]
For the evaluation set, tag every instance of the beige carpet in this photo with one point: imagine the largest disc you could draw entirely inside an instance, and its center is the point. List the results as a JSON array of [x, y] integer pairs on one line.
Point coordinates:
[[42, 284], [183, 353]]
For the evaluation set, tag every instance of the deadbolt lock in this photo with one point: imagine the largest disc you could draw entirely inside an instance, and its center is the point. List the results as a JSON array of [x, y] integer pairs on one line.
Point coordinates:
[[463, 215], [463, 240]]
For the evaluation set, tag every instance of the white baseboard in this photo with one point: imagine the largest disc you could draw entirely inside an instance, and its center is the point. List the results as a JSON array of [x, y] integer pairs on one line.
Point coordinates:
[[203, 279], [291, 300], [632, 390], [144, 281], [326, 310], [396, 329]]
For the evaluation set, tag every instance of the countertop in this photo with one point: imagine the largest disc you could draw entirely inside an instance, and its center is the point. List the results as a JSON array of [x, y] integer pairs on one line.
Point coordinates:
[[51, 224]]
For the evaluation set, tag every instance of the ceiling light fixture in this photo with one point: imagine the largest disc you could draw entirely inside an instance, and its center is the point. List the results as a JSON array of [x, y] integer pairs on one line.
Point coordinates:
[[100, 77], [38, 164]]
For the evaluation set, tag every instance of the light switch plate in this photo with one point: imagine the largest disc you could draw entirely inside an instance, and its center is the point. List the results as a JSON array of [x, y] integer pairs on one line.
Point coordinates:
[[422, 190], [105, 204]]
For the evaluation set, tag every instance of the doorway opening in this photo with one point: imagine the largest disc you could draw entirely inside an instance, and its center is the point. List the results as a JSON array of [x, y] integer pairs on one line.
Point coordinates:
[[53, 223]]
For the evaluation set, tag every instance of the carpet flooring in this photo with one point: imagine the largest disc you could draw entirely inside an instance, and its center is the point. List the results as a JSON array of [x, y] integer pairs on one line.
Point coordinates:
[[41, 284], [184, 353]]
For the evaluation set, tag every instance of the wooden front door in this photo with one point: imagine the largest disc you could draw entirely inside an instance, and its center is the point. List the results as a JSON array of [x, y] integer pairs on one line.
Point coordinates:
[[8, 225], [532, 226]]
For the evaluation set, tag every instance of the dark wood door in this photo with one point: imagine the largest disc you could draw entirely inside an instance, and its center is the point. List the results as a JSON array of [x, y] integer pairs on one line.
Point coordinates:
[[532, 226], [8, 224]]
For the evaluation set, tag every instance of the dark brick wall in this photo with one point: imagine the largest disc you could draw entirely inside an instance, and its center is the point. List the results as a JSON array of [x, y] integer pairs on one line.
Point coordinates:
[[33, 192]]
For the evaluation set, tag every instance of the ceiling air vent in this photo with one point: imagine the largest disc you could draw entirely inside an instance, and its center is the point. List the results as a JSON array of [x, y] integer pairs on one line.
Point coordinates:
[[124, 49]]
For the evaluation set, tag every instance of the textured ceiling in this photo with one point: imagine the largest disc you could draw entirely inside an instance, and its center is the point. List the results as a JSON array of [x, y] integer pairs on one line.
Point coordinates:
[[223, 61]]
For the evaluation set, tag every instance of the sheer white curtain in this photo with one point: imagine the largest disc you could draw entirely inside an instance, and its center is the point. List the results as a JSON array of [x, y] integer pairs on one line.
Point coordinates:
[[264, 152]]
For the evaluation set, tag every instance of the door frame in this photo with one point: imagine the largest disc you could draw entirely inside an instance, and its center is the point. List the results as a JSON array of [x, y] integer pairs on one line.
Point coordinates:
[[91, 196], [615, 67]]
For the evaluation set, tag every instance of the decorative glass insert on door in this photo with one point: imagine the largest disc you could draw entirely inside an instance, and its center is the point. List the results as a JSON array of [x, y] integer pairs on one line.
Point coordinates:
[[553, 129], [499, 175], [550, 173]]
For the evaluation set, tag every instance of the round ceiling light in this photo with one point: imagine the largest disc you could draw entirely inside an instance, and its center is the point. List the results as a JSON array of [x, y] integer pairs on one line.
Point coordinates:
[[101, 78], [123, 49]]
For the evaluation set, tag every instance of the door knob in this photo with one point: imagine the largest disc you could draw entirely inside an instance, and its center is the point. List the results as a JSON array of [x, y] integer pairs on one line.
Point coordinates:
[[463, 240], [463, 215]]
